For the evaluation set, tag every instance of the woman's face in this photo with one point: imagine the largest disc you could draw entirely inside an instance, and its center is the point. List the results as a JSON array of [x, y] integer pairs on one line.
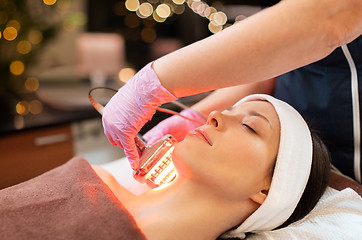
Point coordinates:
[[234, 152]]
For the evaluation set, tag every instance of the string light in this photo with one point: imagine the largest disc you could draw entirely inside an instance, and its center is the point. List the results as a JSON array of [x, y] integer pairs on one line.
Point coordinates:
[[10, 33], [24, 47], [14, 23], [132, 5], [31, 84], [163, 10], [157, 18], [22, 108], [218, 19], [35, 107], [22, 24], [160, 11], [49, 2], [145, 10], [17, 67], [178, 2], [19, 122]]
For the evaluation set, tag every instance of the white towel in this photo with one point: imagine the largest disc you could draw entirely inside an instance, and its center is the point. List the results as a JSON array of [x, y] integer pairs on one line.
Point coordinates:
[[338, 215]]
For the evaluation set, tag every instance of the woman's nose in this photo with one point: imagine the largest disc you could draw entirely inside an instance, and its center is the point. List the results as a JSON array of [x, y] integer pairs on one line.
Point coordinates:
[[215, 119]]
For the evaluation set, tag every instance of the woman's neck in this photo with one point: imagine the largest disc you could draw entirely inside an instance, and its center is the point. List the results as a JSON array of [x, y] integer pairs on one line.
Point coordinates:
[[186, 210]]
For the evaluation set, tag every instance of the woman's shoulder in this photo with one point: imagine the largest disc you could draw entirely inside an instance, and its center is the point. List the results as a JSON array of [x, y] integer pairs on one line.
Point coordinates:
[[120, 192]]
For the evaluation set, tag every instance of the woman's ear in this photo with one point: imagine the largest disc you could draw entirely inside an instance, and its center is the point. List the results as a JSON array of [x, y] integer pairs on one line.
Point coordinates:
[[260, 196]]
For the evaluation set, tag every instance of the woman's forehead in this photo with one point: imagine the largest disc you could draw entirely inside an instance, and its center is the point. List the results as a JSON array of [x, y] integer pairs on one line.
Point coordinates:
[[260, 104]]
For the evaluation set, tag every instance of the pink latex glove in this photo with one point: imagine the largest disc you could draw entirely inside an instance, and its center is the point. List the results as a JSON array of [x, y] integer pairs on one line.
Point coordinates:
[[131, 107], [175, 125]]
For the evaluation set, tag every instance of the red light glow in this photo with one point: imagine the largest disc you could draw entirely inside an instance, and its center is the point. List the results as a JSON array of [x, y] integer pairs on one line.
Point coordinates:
[[163, 172]]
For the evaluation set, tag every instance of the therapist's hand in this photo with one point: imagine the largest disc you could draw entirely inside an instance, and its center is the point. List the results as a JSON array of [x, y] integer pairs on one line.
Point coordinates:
[[177, 126], [131, 107]]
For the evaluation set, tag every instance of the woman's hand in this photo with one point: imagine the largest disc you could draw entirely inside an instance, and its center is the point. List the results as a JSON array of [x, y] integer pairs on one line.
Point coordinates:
[[177, 126], [131, 107]]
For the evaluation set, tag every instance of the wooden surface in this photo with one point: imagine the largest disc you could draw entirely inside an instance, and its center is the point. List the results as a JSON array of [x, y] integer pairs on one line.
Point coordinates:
[[27, 154]]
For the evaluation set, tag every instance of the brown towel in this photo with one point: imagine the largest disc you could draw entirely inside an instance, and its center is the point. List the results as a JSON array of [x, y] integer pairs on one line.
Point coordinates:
[[68, 202]]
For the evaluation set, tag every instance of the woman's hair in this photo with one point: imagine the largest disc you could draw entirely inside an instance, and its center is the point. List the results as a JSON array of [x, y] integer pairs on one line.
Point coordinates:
[[317, 182]]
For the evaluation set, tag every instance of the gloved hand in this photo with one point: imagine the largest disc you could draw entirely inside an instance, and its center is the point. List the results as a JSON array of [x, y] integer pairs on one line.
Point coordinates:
[[131, 107], [177, 126]]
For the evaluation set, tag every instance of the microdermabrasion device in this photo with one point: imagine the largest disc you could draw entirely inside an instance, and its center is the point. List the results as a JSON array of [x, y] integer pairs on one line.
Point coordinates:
[[156, 168]]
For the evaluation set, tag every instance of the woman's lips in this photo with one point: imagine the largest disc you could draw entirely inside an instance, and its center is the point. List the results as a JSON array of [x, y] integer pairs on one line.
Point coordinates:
[[199, 132]]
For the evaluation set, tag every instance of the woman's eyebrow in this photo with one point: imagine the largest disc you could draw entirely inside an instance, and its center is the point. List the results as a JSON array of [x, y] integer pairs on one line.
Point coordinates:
[[253, 113]]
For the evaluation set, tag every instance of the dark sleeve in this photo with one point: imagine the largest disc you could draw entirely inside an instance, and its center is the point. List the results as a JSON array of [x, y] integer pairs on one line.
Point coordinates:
[[68, 202]]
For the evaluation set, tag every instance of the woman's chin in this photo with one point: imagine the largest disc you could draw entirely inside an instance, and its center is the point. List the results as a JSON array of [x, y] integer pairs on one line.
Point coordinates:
[[179, 160]]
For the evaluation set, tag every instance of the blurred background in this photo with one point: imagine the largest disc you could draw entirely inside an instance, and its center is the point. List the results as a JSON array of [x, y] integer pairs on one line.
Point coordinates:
[[52, 52]]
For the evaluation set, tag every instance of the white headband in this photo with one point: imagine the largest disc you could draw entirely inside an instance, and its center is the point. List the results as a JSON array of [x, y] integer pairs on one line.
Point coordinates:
[[291, 171]]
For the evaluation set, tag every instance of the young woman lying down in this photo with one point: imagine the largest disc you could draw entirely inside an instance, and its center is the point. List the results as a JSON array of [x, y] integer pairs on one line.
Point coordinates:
[[252, 168]]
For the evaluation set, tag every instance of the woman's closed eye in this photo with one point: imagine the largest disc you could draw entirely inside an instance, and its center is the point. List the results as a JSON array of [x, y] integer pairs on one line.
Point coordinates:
[[249, 128]]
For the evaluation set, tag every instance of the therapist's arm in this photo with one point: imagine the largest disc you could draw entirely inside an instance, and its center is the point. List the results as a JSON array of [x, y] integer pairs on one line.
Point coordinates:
[[284, 37], [226, 97]]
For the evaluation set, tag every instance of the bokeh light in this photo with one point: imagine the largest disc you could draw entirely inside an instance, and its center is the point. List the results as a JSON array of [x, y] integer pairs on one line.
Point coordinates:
[[19, 122], [163, 10], [14, 23], [49, 2], [178, 2], [35, 107], [214, 28], [157, 18], [31, 84], [22, 108], [195, 5], [208, 11], [179, 9], [17, 67], [218, 18], [148, 35], [132, 5], [145, 10], [35, 37], [10, 33], [166, 8], [126, 74], [201, 9], [24, 47]]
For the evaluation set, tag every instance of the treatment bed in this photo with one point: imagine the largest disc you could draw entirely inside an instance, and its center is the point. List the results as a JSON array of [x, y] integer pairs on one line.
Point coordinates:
[[72, 202]]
